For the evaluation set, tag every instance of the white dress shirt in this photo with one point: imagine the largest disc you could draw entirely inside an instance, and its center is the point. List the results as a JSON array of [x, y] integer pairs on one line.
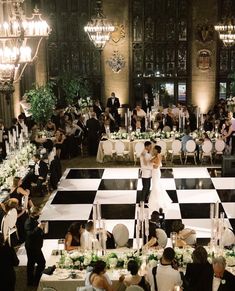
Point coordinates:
[[167, 278], [216, 283], [146, 164], [36, 169]]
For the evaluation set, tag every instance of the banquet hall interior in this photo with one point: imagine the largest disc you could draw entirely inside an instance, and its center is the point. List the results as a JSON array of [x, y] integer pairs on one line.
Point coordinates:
[[84, 86]]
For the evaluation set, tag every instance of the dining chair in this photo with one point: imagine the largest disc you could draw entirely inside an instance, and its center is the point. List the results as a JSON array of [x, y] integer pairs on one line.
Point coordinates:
[[121, 235], [206, 150], [134, 288], [219, 147], [8, 225], [120, 150], [190, 151], [176, 150], [162, 144], [138, 149], [108, 149]]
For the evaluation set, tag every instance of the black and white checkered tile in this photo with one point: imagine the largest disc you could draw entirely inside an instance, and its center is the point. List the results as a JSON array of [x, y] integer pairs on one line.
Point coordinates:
[[117, 190]]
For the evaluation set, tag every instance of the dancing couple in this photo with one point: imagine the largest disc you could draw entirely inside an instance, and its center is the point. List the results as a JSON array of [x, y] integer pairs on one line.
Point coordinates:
[[151, 163]]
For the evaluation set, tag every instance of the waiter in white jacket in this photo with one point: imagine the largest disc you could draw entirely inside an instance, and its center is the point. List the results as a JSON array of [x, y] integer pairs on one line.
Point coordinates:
[[146, 170]]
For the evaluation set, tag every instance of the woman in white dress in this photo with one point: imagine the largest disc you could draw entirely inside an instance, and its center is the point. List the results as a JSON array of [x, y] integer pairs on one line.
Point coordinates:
[[158, 197]]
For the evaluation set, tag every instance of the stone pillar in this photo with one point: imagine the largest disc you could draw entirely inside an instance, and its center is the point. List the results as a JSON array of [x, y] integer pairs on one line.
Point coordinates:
[[41, 65], [203, 53], [16, 99], [118, 13]]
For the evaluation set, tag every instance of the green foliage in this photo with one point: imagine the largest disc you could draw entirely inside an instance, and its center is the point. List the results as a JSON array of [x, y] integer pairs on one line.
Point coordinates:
[[232, 85], [42, 101], [74, 88]]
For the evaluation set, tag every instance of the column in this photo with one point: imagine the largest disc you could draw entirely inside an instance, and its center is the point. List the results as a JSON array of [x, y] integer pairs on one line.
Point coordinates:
[[118, 13], [16, 99], [203, 53], [41, 65]]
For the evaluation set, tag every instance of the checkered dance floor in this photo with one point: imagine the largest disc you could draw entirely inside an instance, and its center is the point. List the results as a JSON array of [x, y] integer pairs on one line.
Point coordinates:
[[118, 190]]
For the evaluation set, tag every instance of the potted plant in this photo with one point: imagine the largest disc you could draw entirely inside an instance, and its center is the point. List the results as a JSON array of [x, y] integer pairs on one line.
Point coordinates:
[[42, 101]]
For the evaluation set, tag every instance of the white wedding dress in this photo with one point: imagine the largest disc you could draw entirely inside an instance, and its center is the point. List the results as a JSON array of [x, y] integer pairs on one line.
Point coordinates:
[[158, 197]]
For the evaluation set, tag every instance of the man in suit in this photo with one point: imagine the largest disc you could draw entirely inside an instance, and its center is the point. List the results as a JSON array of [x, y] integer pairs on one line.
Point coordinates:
[[113, 104], [97, 108], [3, 138], [33, 244], [94, 129], [147, 103], [221, 279]]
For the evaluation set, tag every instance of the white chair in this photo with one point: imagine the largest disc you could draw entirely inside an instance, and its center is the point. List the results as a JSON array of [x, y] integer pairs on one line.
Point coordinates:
[[48, 289], [120, 150], [138, 149], [85, 288], [190, 150], [8, 225], [206, 150], [108, 149], [134, 288], [219, 147], [176, 150], [191, 239], [161, 237], [121, 235], [162, 144], [166, 128]]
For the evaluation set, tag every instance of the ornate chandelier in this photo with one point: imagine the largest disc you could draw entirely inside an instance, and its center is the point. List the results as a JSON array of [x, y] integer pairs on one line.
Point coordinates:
[[20, 39], [98, 28], [226, 31]]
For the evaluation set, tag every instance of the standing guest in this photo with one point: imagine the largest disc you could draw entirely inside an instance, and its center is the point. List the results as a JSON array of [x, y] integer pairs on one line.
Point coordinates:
[[146, 170], [169, 119], [198, 272], [167, 276], [73, 236], [98, 109], [3, 138], [7, 263], [82, 125], [221, 279], [59, 142], [98, 278], [134, 278], [147, 103], [93, 127], [113, 104], [141, 116], [230, 136], [33, 244]]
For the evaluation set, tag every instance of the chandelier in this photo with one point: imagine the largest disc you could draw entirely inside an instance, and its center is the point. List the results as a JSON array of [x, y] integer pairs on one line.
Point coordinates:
[[20, 39], [98, 28], [226, 31]]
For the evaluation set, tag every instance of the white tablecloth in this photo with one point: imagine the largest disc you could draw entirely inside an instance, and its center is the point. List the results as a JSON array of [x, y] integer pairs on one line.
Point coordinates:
[[129, 146]]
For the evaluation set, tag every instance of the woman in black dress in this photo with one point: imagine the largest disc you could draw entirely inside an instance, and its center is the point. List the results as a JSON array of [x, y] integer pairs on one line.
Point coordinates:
[[72, 238], [7, 262]]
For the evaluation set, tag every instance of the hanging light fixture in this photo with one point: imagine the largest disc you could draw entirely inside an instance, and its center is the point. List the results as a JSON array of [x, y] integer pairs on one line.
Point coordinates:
[[226, 30], [20, 39], [99, 28]]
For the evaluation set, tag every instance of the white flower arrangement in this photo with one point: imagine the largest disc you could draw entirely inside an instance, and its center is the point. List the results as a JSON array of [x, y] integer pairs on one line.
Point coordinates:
[[85, 102], [16, 165]]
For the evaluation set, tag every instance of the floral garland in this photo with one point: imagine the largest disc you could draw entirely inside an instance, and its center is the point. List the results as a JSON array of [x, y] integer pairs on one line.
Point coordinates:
[[145, 135], [15, 164]]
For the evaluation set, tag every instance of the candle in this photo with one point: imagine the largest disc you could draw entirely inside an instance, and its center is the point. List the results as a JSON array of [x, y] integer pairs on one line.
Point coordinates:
[[17, 131], [125, 120], [94, 213], [183, 121], [217, 210], [146, 123], [141, 210], [7, 148], [197, 117], [212, 210], [137, 229], [98, 211], [179, 121], [128, 112]]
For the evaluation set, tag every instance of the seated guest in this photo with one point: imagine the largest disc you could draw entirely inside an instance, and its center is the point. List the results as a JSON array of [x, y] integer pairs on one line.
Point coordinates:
[[134, 120], [50, 126], [169, 118], [72, 238], [38, 175], [186, 137], [208, 123], [185, 236], [167, 276], [98, 278], [134, 278], [88, 236], [198, 272], [141, 115], [7, 263], [59, 142], [221, 279]]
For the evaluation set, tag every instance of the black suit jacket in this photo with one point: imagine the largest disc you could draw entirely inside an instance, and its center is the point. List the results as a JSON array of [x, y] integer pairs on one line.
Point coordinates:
[[93, 127], [98, 110], [197, 277], [34, 234], [43, 169], [146, 106], [227, 282], [113, 107]]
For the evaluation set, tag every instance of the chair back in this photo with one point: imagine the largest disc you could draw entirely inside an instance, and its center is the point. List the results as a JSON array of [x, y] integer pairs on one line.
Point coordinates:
[[190, 146], [166, 128], [139, 147], [85, 288], [162, 144], [119, 147], [207, 146], [8, 222], [219, 145], [48, 289], [107, 147], [161, 237], [176, 146], [120, 234]]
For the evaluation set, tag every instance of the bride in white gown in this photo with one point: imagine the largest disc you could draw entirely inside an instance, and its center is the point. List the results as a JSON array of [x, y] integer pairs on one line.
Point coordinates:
[[158, 197]]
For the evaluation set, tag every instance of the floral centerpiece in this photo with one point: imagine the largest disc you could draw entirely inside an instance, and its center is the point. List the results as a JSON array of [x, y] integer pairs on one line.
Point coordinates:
[[231, 104], [85, 102], [16, 164]]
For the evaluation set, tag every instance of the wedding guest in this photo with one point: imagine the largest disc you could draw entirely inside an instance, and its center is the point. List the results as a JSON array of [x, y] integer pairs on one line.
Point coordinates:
[[167, 277], [88, 236], [146, 170], [50, 126], [208, 123], [198, 272], [230, 136], [169, 118], [147, 103], [98, 109], [98, 278], [3, 138], [73, 236], [113, 104], [55, 172], [134, 278], [185, 236], [94, 130], [186, 137], [82, 125], [59, 142], [221, 279], [7, 263], [33, 244]]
